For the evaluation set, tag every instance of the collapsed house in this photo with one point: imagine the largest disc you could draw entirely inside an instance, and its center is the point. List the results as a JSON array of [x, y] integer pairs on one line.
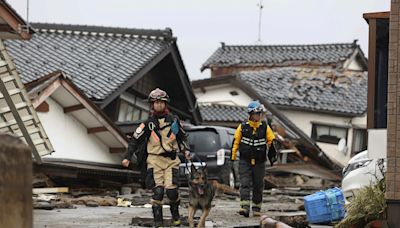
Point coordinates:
[[297, 149], [108, 73], [89, 87], [320, 90], [18, 126]]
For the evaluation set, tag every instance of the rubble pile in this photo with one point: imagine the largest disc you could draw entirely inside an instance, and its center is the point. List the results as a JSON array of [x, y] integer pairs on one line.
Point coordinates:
[[283, 199]]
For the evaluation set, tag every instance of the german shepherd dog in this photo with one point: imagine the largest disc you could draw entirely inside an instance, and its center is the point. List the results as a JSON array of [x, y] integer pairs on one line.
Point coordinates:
[[201, 193]]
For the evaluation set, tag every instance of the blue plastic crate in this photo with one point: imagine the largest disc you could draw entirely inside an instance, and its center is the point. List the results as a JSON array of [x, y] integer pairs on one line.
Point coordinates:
[[325, 206]]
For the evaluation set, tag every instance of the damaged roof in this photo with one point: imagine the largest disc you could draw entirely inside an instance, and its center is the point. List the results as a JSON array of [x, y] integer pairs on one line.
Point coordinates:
[[97, 59], [221, 112], [283, 55], [321, 89], [17, 114]]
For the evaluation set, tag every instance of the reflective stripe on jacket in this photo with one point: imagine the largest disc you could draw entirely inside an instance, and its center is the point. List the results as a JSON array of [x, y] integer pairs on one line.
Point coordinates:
[[251, 141]]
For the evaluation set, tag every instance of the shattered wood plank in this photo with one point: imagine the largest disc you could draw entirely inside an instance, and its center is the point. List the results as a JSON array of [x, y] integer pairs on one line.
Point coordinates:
[[148, 222], [92, 200], [49, 190], [41, 181], [271, 223], [294, 221], [43, 205], [283, 207]]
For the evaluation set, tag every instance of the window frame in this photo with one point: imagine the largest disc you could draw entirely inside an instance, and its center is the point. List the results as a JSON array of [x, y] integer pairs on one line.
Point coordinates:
[[314, 132], [353, 152], [132, 102]]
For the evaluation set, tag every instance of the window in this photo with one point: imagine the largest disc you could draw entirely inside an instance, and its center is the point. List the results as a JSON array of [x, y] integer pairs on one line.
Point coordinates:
[[359, 140], [381, 74], [328, 134], [226, 142], [203, 141], [132, 111]]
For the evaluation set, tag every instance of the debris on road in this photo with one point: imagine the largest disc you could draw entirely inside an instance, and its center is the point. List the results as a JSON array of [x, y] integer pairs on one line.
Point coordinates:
[[267, 222], [123, 203]]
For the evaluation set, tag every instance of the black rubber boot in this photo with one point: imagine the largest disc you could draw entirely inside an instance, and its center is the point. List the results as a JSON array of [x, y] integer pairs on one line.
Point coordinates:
[[245, 211], [158, 217], [256, 211], [176, 218]]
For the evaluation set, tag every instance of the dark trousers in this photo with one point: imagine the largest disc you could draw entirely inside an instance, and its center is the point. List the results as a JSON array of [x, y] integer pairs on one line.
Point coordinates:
[[251, 178]]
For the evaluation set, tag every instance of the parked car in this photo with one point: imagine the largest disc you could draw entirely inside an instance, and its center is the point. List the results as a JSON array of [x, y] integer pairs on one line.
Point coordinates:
[[361, 171], [212, 146]]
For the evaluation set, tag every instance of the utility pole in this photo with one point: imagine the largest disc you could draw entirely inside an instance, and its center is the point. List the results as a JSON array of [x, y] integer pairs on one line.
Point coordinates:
[[260, 5], [25, 28], [27, 12]]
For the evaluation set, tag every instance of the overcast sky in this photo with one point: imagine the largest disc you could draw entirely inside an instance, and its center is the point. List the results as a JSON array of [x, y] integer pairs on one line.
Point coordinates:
[[200, 25]]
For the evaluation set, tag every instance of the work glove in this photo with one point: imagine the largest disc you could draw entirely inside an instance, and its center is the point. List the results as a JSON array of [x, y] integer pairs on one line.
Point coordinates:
[[188, 155], [272, 153]]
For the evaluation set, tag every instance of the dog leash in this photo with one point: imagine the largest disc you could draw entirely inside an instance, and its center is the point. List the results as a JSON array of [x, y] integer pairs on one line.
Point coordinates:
[[194, 156]]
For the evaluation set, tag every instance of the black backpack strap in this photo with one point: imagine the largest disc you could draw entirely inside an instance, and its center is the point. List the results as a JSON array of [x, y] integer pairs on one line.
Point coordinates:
[[243, 125]]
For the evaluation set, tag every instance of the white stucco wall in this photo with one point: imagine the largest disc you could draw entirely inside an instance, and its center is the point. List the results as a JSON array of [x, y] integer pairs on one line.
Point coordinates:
[[304, 120], [70, 138], [354, 65], [220, 94]]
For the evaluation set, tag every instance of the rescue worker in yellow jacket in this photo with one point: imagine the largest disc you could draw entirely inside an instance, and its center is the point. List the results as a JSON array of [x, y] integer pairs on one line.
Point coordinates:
[[165, 137], [252, 139]]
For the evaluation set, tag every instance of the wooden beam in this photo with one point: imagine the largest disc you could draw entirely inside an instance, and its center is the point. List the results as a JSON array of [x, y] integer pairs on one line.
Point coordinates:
[[13, 21], [376, 15], [115, 150], [73, 108], [49, 190], [95, 111], [371, 75], [43, 107], [135, 78], [5, 28], [191, 98], [94, 130], [46, 93]]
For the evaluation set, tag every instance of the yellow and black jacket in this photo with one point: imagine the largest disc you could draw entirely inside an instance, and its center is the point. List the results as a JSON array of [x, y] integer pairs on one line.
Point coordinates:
[[252, 140]]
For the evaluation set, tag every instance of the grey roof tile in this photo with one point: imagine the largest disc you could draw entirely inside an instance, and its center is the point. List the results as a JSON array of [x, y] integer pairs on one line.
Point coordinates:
[[280, 55], [322, 89], [97, 63], [220, 112]]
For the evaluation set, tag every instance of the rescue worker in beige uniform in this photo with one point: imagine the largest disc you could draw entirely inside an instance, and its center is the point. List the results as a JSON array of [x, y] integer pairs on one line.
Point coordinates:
[[165, 138]]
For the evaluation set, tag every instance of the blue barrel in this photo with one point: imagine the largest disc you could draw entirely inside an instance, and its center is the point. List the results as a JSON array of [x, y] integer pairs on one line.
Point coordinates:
[[325, 206]]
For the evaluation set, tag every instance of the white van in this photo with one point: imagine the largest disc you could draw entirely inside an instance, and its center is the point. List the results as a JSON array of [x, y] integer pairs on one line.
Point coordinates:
[[361, 171]]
